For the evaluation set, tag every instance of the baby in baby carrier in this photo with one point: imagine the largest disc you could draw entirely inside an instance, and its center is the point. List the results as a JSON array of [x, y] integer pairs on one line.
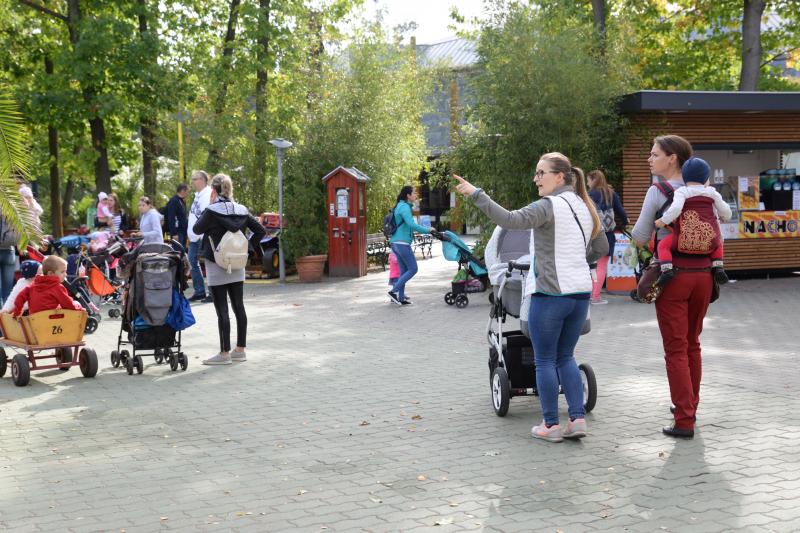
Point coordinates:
[[694, 211]]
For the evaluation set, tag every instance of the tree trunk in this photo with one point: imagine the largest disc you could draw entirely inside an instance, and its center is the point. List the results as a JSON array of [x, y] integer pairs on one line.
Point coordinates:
[[315, 52], [751, 44], [147, 126], [55, 179], [102, 173], [599, 12], [213, 161], [262, 140]]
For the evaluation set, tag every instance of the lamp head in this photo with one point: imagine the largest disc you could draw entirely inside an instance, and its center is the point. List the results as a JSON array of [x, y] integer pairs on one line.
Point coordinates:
[[280, 144]]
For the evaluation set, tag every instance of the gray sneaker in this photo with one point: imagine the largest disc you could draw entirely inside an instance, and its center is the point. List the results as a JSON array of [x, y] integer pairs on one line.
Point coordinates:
[[576, 429], [238, 357], [218, 359]]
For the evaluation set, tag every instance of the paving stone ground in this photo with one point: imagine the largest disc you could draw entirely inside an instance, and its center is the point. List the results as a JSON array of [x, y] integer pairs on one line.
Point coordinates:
[[352, 414]]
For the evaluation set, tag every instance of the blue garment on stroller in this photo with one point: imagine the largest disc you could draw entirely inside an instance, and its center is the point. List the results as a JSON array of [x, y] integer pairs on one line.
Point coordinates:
[[454, 249]]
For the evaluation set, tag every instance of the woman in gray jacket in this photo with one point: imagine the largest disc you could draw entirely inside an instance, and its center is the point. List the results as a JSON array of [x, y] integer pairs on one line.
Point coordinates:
[[567, 238]]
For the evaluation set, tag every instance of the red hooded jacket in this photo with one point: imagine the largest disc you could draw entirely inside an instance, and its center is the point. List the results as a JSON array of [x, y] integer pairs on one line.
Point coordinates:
[[44, 294]]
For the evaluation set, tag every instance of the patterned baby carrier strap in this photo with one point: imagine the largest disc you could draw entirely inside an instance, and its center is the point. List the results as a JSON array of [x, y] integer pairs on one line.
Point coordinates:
[[696, 229]]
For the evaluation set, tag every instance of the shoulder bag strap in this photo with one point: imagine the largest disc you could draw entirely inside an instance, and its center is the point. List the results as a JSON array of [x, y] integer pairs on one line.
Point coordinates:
[[585, 244]]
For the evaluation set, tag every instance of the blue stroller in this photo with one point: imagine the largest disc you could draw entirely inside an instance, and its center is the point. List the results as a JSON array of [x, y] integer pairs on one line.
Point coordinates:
[[472, 275]]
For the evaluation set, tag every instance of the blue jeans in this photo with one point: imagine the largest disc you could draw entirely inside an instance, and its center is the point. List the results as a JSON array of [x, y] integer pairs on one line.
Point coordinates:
[[8, 264], [408, 268], [197, 275], [555, 324]]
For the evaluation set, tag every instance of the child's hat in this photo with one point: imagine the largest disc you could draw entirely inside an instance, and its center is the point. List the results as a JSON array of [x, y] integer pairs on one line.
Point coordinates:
[[102, 196], [695, 170], [29, 268]]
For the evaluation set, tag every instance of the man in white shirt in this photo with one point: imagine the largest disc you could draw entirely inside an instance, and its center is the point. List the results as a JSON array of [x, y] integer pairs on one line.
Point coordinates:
[[202, 197]]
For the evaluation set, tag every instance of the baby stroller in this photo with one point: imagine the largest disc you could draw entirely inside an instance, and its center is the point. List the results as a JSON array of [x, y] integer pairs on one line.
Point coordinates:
[[471, 276], [154, 272], [638, 258], [512, 368]]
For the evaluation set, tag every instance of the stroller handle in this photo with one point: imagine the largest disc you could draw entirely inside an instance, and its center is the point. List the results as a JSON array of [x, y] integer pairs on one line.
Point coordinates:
[[524, 267]]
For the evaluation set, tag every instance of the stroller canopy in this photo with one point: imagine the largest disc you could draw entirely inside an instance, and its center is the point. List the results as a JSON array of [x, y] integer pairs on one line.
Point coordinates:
[[454, 249]]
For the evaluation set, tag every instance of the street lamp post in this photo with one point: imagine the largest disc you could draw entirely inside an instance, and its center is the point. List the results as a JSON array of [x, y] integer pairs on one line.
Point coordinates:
[[280, 146]]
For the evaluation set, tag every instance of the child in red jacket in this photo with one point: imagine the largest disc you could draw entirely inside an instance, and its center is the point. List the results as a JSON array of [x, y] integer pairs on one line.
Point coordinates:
[[47, 291]]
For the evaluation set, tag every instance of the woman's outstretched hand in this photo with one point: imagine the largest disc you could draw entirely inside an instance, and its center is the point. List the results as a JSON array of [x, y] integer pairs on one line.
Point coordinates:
[[464, 187]]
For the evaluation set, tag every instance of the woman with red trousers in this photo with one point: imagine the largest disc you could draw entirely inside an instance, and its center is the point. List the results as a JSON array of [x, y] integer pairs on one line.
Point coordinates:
[[682, 306]]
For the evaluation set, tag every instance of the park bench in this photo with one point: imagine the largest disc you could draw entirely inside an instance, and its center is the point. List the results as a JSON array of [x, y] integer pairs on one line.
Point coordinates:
[[378, 248], [423, 243]]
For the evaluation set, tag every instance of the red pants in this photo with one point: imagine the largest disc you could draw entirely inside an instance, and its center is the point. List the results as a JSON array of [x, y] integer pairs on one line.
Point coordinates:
[[681, 309], [665, 250]]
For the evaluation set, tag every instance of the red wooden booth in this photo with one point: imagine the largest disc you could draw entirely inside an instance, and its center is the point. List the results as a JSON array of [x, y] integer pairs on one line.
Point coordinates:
[[347, 222]]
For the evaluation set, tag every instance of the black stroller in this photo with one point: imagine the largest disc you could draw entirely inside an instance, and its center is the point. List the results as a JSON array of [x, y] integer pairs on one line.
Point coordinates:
[[153, 272], [512, 368]]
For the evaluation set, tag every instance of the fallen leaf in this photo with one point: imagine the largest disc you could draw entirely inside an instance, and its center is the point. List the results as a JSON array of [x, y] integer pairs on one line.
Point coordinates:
[[301, 492], [443, 521], [364, 423], [542, 482], [374, 499], [453, 504], [416, 417], [228, 439], [421, 478], [164, 518]]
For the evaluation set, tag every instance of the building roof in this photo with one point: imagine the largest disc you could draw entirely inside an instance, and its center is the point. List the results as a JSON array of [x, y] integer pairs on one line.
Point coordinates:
[[353, 171], [687, 101], [456, 53]]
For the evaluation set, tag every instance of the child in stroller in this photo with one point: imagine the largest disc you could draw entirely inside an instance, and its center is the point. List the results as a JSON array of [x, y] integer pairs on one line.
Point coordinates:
[[511, 361], [471, 276]]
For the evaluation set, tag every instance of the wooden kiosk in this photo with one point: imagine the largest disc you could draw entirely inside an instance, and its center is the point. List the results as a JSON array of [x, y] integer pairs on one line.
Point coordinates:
[[752, 142]]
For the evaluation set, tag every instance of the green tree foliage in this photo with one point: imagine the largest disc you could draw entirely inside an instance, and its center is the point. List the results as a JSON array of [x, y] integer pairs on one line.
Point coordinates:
[[365, 109], [540, 88]]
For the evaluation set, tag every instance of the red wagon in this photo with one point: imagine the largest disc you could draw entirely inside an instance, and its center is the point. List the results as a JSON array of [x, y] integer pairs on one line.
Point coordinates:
[[56, 335]]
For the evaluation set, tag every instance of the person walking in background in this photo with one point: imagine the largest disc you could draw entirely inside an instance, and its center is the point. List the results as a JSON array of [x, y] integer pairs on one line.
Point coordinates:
[[119, 219], [202, 197], [609, 208], [567, 239], [150, 222], [9, 239], [177, 221], [223, 219], [401, 241]]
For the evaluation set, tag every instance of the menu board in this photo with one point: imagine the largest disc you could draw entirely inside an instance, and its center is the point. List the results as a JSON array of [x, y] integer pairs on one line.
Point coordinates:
[[748, 193]]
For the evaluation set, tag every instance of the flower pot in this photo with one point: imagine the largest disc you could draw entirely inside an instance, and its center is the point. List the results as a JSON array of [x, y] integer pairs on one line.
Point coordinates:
[[310, 267]]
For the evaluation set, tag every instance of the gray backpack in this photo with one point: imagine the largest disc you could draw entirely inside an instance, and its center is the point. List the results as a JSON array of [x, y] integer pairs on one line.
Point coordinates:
[[9, 237]]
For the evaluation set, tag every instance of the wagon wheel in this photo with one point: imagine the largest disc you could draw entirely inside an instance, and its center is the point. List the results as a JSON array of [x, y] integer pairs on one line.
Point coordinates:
[[87, 358], [63, 355], [20, 370], [3, 362]]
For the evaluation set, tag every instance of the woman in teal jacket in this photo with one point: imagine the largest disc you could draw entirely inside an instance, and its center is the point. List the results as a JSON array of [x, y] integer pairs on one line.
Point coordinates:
[[401, 241]]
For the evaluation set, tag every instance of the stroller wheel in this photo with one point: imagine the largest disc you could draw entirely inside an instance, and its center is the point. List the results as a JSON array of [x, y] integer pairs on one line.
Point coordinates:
[[589, 387], [91, 325], [449, 298], [462, 301], [115, 358], [173, 360], [183, 360], [501, 391], [158, 356], [3, 362], [129, 365], [114, 313], [139, 363]]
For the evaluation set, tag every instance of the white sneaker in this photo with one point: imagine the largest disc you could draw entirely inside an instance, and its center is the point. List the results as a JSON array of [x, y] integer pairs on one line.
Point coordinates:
[[218, 359], [238, 357], [599, 301]]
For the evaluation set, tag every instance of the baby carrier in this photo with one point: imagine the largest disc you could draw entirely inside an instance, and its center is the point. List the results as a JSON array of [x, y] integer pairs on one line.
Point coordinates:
[[696, 231], [156, 276], [512, 368]]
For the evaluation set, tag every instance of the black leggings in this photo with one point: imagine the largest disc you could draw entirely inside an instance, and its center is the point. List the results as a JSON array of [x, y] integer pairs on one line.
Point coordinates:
[[220, 295]]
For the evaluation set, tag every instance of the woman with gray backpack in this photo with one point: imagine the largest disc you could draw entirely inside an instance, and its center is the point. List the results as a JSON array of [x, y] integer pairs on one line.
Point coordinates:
[[225, 250], [609, 207]]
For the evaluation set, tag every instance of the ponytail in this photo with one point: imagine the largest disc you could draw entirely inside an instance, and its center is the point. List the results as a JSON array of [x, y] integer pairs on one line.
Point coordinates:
[[223, 186], [579, 182]]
